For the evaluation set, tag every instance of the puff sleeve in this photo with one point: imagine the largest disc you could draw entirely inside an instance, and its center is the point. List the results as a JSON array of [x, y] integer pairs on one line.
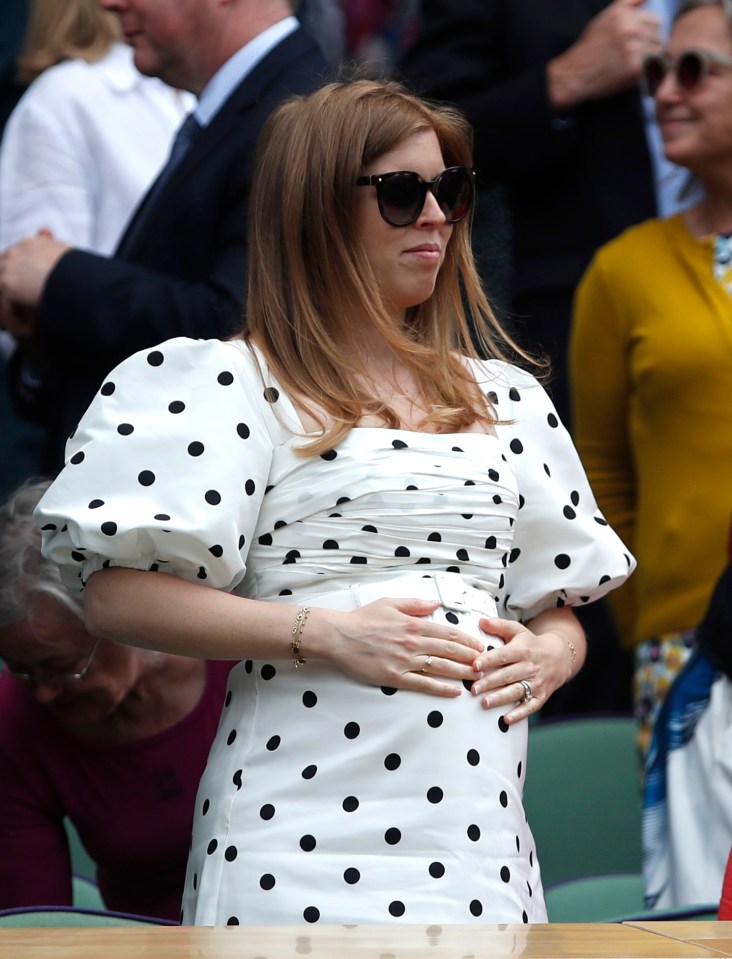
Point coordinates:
[[167, 468], [564, 552]]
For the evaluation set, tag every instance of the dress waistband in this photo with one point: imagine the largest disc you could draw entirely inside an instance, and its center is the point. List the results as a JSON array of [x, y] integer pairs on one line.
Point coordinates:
[[450, 589]]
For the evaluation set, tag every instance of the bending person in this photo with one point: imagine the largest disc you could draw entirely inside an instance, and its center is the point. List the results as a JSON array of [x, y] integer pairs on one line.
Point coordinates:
[[112, 736], [395, 532]]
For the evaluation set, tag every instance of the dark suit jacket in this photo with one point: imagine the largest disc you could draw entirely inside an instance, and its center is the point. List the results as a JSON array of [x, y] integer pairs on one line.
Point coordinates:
[[712, 634], [184, 273], [573, 182]]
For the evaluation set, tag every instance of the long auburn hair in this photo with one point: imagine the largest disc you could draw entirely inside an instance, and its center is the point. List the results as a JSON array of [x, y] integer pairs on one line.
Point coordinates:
[[311, 283]]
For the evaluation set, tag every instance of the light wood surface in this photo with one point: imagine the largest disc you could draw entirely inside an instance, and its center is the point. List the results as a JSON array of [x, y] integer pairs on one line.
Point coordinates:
[[555, 941], [706, 933]]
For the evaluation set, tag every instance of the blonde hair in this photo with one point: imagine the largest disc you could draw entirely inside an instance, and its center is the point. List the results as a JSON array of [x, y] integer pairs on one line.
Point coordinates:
[[310, 281], [65, 30]]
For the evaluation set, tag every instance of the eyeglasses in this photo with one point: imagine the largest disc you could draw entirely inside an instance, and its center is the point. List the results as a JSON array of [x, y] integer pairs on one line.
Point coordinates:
[[46, 675], [690, 68], [401, 195]]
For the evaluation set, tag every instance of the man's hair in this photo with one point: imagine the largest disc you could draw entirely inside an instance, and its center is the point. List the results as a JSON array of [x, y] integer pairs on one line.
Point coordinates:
[[24, 571], [310, 280]]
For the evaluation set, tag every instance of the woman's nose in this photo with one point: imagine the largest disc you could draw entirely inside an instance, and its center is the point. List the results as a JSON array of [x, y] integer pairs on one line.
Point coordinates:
[[668, 88], [47, 689], [431, 211]]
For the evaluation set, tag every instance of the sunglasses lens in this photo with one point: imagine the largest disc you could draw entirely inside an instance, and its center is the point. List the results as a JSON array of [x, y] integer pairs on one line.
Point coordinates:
[[402, 197], [689, 70], [654, 70], [454, 193]]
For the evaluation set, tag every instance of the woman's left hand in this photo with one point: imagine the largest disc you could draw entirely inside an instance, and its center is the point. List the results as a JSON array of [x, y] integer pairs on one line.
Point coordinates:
[[535, 660]]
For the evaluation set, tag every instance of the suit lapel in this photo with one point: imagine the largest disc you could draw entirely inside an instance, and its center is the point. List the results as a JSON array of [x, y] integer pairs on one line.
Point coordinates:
[[248, 94]]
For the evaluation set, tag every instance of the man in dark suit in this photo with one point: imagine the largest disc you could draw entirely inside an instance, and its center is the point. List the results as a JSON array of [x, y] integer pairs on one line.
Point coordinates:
[[180, 268], [550, 87]]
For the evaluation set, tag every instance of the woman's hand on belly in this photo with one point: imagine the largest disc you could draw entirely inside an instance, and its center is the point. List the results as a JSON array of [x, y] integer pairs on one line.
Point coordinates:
[[391, 642], [534, 661]]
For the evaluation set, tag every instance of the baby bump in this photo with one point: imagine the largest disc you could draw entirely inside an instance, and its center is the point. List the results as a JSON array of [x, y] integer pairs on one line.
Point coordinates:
[[316, 722], [332, 774]]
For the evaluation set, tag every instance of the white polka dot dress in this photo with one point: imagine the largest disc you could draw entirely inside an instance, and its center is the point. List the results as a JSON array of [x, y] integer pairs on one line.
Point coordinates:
[[325, 799]]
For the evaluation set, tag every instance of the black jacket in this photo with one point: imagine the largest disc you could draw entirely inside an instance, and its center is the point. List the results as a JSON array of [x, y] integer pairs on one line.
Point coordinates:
[[573, 182]]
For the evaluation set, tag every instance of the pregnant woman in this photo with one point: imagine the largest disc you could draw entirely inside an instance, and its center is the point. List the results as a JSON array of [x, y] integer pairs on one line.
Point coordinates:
[[396, 532]]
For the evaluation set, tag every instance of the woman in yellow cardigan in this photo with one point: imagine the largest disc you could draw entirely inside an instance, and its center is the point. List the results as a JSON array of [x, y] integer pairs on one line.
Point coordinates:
[[651, 366]]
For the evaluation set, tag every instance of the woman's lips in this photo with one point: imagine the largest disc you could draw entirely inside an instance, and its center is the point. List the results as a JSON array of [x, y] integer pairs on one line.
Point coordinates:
[[427, 251]]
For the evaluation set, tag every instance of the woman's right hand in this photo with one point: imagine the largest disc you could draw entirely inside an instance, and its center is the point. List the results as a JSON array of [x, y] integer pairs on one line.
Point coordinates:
[[391, 642]]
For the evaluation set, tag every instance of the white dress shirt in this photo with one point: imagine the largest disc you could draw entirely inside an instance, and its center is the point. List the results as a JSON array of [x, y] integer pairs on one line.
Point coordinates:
[[231, 73]]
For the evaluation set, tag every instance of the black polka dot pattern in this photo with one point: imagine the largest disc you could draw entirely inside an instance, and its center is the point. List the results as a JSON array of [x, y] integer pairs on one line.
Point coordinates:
[[319, 760]]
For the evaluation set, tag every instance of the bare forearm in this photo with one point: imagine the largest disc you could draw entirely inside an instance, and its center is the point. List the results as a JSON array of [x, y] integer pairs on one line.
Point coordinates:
[[386, 642], [163, 612], [562, 623]]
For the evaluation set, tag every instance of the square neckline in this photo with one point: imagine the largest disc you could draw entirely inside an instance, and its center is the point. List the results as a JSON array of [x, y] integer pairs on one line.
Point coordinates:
[[248, 348]]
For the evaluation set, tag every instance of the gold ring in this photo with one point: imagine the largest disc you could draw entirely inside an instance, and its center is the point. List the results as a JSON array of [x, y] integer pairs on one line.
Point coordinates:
[[427, 662]]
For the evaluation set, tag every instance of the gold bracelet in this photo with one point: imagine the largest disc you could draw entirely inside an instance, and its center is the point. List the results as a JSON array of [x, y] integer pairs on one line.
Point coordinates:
[[573, 651], [297, 628]]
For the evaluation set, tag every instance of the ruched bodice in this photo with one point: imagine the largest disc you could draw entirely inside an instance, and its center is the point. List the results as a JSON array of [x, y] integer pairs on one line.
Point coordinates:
[[439, 501]]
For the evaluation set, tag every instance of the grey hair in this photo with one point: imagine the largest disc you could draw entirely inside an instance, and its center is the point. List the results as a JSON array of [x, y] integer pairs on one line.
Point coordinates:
[[686, 6], [24, 571]]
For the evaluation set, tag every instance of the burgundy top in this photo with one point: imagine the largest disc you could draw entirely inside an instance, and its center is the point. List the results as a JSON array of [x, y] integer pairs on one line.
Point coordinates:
[[132, 804]]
